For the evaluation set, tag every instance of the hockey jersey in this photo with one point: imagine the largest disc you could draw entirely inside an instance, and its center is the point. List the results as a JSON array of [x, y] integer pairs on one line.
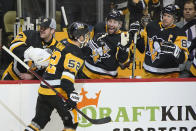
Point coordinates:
[[23, 41], [103, 55], [63, 67], [161, 63]]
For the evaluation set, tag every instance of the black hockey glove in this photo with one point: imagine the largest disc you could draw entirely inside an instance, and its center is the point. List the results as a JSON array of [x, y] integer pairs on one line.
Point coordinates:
[[134, 27], [170, 48], [71, 102]]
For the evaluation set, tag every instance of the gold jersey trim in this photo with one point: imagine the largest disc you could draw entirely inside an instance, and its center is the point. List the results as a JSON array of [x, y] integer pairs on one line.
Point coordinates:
[[10, 72]]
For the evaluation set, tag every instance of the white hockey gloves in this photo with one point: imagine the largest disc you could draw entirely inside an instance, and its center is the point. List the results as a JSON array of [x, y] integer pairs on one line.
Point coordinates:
[[39, 56], [170, 48], [72, 101], [124, 39]]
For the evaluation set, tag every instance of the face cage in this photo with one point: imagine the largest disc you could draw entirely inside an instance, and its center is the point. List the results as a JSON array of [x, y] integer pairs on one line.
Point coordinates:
[[85, 41]]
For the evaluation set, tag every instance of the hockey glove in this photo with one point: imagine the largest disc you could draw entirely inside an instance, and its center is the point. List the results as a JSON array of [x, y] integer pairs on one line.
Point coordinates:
[[71, 102], [39, 56], [134, 27], [170, 48], [124, 44]]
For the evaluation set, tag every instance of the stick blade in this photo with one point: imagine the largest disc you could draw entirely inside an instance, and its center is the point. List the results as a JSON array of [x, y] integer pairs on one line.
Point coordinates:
[[94, 121], [101, 121]]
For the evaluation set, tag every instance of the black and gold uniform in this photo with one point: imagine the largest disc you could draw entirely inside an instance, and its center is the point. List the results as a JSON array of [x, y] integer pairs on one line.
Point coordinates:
[[107, 50], [104, 55], [63, 67], [18, 46], [158, 63], [65, 62]]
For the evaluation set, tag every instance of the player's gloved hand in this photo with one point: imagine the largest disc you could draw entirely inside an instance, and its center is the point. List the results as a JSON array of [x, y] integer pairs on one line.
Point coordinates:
[[134, 27], [71, 102], [39, 56], [125, 43], [170, 48]]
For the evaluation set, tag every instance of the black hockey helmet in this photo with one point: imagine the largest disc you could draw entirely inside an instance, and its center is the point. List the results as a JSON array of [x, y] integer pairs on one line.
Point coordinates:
[[171, 9], [77, 29], [115, 14]]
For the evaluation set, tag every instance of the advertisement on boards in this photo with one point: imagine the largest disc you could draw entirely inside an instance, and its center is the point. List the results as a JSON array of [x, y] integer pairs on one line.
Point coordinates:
[[151, 106], [132, 106]]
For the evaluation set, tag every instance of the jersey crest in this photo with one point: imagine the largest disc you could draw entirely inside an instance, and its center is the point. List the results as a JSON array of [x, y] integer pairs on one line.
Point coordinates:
[[154, 48], [99, 52]]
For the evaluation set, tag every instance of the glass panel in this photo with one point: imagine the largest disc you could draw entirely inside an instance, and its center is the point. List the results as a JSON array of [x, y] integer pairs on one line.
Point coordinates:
[[79, 10], [33, 8]]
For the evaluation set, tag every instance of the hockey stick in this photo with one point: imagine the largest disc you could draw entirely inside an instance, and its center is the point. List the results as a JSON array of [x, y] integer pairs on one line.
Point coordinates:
[[12, 113], [134, 51], [93, 121], [64, 16]]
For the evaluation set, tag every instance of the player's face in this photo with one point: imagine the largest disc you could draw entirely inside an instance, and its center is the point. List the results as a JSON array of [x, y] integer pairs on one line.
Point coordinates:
[[189, 11], [113, 26], [168, 20], [83, 40], [45, 33]]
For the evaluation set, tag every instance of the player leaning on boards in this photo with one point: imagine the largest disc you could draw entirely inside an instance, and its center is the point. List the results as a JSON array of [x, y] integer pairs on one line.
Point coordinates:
[[108, 49], [31, 46], [64, 64], [166, 46]]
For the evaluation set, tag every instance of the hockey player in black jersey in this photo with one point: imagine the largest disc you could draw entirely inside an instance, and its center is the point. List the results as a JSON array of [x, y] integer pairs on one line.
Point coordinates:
[[109, 49], [31, 46], [63, 67], [166, 46]]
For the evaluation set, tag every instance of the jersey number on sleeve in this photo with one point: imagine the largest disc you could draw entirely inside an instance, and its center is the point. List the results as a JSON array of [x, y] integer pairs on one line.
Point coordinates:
[[71, 62], [56, 55]]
